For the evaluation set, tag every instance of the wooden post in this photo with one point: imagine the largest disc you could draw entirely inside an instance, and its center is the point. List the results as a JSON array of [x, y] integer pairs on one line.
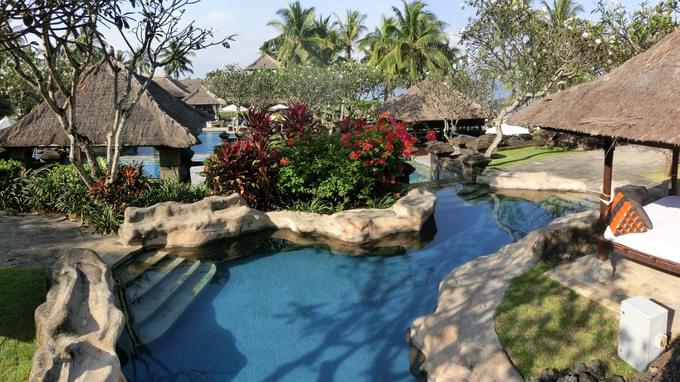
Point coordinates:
[[605, 196], [674, 171]]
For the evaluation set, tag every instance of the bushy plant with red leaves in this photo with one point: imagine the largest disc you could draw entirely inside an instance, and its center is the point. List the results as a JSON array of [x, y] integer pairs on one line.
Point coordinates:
[[298, 121], [125, 191], [247, 166], [431, 136]]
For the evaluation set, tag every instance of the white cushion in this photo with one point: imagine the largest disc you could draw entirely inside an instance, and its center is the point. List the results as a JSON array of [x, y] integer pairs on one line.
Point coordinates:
[[663, 240]]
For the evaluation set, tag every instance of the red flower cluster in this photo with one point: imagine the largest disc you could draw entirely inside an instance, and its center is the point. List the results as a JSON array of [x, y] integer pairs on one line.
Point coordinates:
[[431, 135], [381, 146]]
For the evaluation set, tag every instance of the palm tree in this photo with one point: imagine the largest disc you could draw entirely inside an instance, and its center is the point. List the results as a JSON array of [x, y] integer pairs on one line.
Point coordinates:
[[419, 42], [176, 59], [377, 44], [298, 38], [326, 41], [350, 30], [561, 11]]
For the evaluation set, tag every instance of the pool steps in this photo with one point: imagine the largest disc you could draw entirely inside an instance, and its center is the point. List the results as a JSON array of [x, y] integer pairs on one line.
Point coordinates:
[[158, 289], [156, 325], [144, 282]]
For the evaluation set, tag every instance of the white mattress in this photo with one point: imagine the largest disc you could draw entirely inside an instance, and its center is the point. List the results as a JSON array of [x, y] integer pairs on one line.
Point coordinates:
[[663, 240]]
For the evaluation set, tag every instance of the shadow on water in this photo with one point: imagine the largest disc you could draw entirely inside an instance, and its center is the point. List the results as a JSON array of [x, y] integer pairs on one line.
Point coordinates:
[[168, 358], [298, 312]]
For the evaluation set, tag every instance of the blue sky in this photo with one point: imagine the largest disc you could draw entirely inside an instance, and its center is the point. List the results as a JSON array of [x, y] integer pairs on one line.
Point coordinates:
[[248, 19]]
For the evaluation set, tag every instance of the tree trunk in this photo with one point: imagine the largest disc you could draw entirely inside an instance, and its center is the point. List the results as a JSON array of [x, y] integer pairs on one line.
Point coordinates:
[[668, 171]]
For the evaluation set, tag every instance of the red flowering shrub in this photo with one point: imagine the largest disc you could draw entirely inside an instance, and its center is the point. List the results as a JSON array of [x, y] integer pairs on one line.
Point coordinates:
[[431, 135], [246, 166], [345, 169]]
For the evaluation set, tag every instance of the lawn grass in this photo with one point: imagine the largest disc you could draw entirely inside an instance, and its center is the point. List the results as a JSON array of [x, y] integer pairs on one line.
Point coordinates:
[[542, 324], [21, 291], [510, 157]]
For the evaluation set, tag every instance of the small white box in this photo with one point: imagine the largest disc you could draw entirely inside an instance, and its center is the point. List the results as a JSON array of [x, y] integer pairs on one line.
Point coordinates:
[[642, 336]]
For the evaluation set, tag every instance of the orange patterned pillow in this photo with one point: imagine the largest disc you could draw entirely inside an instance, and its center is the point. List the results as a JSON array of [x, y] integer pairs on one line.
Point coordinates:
[[627, 216]]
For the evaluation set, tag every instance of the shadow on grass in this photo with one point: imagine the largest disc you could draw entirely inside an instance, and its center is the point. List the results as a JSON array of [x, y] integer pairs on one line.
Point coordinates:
[[544, 325], [22, 291]]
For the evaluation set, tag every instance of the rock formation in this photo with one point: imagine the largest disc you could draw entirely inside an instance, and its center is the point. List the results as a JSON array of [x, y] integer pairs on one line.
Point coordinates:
[[174, 224], [77, 328], [458, 341]]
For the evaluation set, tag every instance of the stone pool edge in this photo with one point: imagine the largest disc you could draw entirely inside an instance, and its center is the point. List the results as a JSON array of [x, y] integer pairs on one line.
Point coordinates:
[[458, 341], [173, 224]]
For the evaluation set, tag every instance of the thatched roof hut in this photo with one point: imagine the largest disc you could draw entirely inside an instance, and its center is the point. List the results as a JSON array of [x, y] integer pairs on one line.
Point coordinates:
[[159, 119], [265, 61], [414, 106], [638, 101], [199, 95]]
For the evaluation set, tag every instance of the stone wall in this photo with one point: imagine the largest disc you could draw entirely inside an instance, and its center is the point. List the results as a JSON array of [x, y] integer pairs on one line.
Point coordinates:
[[174, 224], [458, 342], [77, 328]]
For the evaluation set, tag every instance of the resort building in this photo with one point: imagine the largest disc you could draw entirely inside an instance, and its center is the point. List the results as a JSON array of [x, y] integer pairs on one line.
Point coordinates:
[[160, 120], [193, 93], [265, 62]]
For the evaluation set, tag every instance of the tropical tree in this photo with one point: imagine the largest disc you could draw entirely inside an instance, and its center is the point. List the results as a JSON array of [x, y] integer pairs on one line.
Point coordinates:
[[298, 34], [349, 31], [50, 52], [418, 42], [327, 47], [178, 60], [560, 11]]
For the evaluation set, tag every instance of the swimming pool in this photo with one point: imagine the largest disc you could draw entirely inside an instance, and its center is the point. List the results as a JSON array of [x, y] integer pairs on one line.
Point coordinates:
[[288, 313]]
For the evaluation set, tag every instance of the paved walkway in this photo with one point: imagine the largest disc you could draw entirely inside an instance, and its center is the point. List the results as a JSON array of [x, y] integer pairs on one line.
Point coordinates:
[[631, 279], [631, 165], [36, 241]]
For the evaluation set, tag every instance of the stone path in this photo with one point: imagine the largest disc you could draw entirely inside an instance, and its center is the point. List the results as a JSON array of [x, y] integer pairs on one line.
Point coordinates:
[[630, 279], [36, 241], [631, 164]]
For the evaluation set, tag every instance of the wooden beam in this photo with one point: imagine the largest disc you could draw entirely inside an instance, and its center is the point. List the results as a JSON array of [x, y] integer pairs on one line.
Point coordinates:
[[674, 171], [605, 196]]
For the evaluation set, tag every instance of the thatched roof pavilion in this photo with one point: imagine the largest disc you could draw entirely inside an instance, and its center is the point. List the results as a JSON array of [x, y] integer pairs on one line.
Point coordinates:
[[193, 93], [415, 107], [636, 102], [265, 61], [159, 119]]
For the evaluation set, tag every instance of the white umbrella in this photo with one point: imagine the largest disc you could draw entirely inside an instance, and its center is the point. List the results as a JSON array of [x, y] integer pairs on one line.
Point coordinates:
[[278, 107], [230, 108], [509, 130], [6, 122]]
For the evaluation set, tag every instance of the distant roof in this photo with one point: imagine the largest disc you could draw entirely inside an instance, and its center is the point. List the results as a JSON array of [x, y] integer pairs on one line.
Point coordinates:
[[199, 94], [265, 61], [158, 119], [638, 101], [414, 106], [172, 86]]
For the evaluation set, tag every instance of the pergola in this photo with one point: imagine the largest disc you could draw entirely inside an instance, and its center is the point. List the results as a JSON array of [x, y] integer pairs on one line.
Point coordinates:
[[638, 102]]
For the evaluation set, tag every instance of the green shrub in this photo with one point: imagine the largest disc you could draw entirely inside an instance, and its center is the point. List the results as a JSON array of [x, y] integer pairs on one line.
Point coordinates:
[[11, 187], [59, 189]]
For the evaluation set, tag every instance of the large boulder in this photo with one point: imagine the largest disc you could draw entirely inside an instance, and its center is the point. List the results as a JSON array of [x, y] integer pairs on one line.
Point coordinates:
[[537, 181], [174, 224], [77, 328], [360, 226]]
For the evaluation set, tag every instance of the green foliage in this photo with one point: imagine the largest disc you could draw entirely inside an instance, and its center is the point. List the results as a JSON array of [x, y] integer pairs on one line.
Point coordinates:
[[542, 324], [354, 168], [59, 190], [16, 96], [22, 291]]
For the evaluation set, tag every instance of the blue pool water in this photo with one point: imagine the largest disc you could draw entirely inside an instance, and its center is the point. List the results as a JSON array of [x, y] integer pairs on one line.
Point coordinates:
[[287, 313]]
